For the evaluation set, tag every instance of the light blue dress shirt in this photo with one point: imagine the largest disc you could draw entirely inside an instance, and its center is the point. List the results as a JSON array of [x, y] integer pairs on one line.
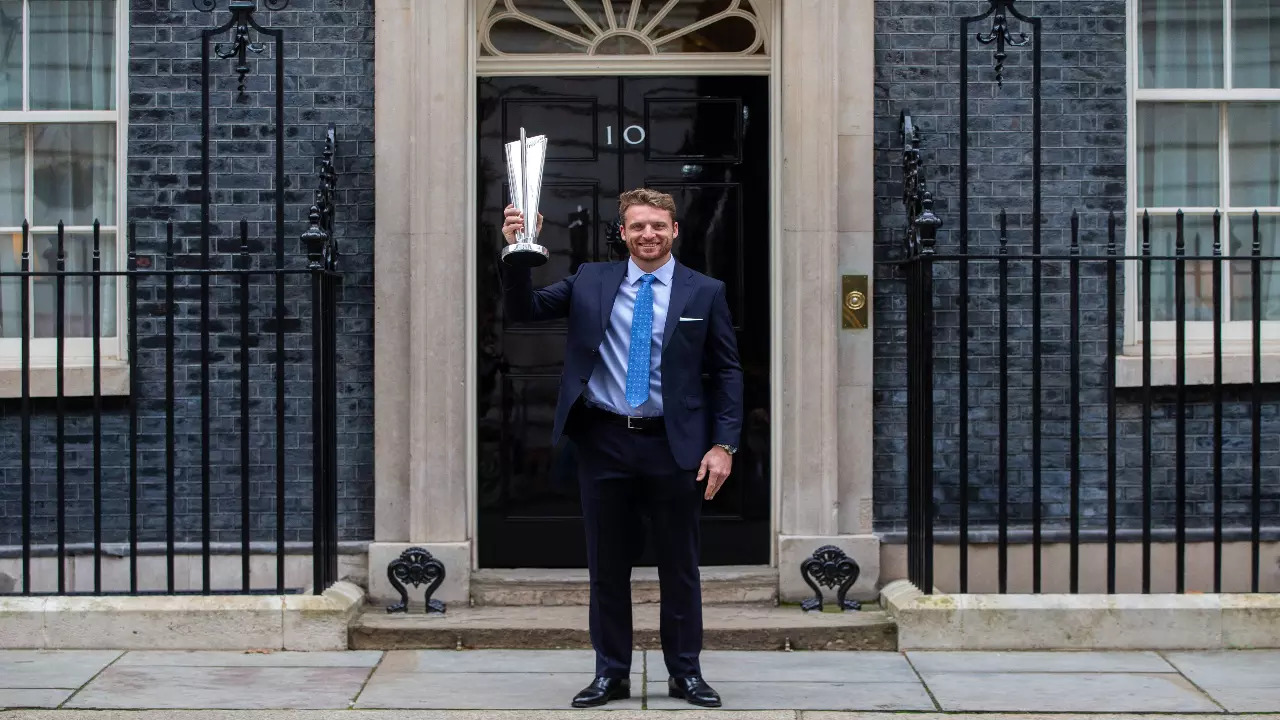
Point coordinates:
[[607, 388]]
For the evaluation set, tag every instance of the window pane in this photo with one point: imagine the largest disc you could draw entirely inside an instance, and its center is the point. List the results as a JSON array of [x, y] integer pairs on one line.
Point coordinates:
[[729, 34], [1242, 273], [1197, 231], [516, 36], [78, 291], [74, 174], [1178, 155], [12, 157], [1181, 43], [10, 54], [11, 287], [73, 54], [1255, 154], [1257, 44], [526, 32]]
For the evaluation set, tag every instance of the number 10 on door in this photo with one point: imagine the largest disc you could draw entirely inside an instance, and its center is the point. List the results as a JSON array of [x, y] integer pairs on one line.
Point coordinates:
[[631, 135]]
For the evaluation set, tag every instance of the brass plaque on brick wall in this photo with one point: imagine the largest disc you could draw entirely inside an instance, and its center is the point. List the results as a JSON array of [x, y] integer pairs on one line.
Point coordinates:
[[854, 302]]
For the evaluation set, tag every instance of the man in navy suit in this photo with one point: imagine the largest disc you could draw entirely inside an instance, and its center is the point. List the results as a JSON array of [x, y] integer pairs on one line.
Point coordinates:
[[642, 333]]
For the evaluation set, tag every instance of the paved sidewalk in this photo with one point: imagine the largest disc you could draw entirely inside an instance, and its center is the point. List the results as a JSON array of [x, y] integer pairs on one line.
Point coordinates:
[[79, 682]]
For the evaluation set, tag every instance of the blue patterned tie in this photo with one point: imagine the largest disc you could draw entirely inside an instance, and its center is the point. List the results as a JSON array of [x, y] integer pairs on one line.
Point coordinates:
[[641, 338]]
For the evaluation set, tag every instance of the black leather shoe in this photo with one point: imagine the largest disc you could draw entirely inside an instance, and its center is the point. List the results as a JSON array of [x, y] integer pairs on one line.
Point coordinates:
[[602, 690], [694, 689]]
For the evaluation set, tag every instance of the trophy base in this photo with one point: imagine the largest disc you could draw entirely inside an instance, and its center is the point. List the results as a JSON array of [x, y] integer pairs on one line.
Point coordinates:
[[525, 254]]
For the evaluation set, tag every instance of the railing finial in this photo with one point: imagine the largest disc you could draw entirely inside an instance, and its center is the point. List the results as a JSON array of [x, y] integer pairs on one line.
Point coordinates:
[[922, 223], [322, 249], [1000, 35], [241, 18]]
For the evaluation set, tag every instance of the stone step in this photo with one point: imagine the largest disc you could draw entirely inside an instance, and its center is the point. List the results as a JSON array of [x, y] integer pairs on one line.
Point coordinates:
[[523, 587], [725, 627]]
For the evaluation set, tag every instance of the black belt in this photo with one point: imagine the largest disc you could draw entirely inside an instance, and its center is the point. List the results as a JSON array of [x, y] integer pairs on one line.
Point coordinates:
[[646, 425]]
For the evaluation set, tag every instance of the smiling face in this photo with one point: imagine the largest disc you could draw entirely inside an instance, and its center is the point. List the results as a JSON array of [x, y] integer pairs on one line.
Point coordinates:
[[649, 233]]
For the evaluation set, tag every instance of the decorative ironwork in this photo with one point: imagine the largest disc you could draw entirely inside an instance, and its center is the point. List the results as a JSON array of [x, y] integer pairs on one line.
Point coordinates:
[[241, 20], [922, 223], [830, 566], [1001, 36], [417, 567], [322, 248]]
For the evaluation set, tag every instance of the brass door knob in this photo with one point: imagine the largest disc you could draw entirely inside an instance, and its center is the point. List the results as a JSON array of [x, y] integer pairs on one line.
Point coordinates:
[[855, 300]]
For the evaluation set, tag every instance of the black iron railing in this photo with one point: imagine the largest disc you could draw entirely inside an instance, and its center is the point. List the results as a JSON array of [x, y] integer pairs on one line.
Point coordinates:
[[1121, 476], [150, 496], [1031, 457]]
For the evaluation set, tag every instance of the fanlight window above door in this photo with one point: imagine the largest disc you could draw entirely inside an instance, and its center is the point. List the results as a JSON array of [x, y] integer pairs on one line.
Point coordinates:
[[623, 27]]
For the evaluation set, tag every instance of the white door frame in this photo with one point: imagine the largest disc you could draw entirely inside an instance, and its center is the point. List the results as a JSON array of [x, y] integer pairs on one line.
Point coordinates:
[[822, 176], [610, 67]]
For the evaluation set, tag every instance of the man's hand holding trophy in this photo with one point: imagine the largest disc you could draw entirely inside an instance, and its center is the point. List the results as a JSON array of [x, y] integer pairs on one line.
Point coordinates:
[[526, 158]]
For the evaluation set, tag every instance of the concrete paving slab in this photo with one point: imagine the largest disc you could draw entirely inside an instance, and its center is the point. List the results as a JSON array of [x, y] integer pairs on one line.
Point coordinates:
[[474, 691], [691, 714], [34, 698], [241, 658], [1239, 680], [815, 666], [855, 715], [1066, 692], [1032, 661], [1235, 668], [222, 687], [804, 696], [582, 662], [1247, 699], [29, 669]]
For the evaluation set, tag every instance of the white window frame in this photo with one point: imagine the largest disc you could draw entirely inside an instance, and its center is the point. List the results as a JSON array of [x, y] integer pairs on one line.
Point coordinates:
[[78, 352], [1237, 336]]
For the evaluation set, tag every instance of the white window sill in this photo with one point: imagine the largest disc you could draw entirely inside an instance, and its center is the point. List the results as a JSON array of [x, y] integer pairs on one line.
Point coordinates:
[[77, 381], [1237, 369]]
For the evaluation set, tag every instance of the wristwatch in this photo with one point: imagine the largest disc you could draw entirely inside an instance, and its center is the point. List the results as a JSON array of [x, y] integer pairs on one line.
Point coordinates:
[[727, 448]]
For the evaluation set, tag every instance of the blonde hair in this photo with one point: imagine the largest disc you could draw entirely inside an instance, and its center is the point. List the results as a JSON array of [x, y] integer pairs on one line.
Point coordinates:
[[645, 196]]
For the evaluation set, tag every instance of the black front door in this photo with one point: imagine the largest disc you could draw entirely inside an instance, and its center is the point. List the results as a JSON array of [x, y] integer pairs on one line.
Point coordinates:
[[705, 140]]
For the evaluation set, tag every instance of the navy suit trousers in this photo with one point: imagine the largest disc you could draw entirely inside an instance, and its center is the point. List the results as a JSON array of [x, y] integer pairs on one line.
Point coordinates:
[[626, 477]]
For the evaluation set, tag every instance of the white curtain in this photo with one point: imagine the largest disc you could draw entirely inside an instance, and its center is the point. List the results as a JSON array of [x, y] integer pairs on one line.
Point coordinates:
[[74, 174], [1181, 44], [10, 54], [1256, 36], [72, 60], [1177, 155], [12, 154], [1242, 273], [72, 54], [12, 151], [1254, 137], [78, 319], [73, 182]]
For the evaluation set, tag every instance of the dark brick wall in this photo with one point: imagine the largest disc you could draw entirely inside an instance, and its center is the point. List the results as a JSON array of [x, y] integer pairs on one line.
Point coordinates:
[[918, 70], [329, 78]]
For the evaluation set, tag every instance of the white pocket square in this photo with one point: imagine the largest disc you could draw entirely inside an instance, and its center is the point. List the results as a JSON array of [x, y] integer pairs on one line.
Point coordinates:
[[685, 319]]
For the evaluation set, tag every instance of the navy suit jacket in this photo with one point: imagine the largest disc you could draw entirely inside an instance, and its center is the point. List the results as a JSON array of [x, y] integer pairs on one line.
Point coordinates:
[[697, 415]]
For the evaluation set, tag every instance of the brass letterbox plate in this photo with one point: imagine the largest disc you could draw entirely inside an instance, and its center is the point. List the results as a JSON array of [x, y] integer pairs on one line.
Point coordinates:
[[854, 302]]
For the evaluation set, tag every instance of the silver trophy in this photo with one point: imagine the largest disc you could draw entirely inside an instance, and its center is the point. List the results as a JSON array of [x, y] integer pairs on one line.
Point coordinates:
[[525, 159]]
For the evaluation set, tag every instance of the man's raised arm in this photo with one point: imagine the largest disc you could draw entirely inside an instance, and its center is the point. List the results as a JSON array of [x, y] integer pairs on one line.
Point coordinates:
[[521, 301]]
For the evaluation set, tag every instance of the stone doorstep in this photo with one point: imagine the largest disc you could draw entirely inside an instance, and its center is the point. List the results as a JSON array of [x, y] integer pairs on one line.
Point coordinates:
[[721, 585], [725, 627], [181, 622], [1164, 621]]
